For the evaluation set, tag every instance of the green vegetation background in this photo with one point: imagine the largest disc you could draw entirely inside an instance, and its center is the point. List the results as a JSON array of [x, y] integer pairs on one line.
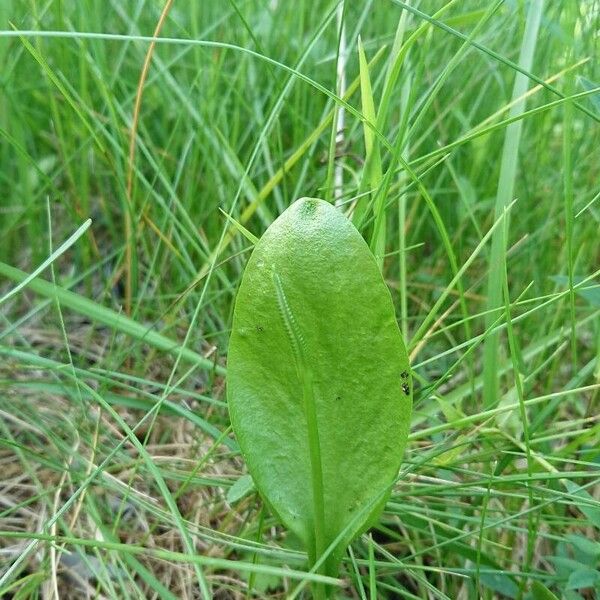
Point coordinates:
[[464, 142]]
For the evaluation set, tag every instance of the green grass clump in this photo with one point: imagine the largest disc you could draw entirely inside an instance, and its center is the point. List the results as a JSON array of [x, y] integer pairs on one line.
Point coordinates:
[[461, 138]]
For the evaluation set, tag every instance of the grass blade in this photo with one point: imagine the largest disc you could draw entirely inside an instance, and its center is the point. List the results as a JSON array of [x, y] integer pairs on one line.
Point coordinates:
[[108, 317], [506, 184]]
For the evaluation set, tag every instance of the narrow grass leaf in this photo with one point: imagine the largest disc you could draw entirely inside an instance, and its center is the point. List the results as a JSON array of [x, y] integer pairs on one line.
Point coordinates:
[[108, 317], [506, 185], [53, 256]]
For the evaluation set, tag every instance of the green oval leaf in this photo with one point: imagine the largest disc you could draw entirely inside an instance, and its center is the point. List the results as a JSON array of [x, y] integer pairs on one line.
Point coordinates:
[[319, 385]]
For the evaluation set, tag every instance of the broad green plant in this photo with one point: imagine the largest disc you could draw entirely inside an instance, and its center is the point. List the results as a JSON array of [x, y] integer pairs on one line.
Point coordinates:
[[319, 384]]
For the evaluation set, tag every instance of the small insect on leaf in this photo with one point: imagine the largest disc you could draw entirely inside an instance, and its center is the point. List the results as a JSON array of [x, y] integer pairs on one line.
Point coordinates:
[[315, 400]]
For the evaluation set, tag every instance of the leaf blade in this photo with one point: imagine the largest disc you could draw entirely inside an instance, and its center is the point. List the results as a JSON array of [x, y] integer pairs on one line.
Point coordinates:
[[343, 327]]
